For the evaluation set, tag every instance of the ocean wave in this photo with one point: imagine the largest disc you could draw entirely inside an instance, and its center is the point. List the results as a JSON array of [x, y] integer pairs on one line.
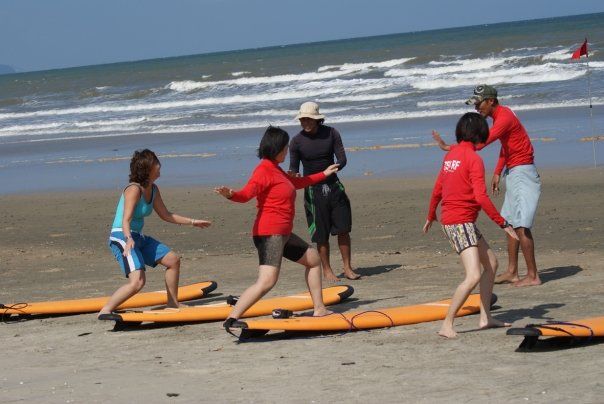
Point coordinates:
[[437, 103], [322, 73], [363, 97], [563, 54], [275, 112], [365, 66], [454, 66], [187, 86], [81, 126], [168, 105], [547, 72], [237, 74], [139, 128]]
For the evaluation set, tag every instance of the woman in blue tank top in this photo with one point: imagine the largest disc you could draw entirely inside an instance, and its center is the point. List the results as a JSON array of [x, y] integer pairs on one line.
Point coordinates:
[[132, 249]]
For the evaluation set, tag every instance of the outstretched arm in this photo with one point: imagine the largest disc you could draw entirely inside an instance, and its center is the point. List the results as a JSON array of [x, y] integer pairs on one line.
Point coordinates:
[[254, 186], [166, 215], [439, 141], [303, 182]]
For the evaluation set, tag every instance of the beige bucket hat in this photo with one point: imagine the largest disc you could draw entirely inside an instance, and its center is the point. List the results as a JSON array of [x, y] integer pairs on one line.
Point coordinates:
[[309, 110]]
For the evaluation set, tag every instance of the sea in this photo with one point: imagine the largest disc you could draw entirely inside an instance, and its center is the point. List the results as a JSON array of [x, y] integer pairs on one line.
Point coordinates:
[[76, 128]]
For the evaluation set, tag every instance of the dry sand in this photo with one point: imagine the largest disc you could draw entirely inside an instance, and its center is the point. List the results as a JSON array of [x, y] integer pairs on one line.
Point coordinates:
[[54, 247]]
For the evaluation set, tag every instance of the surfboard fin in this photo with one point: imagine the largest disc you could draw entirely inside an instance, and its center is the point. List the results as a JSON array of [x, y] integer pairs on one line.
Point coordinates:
[[110, 317], [282, 313]]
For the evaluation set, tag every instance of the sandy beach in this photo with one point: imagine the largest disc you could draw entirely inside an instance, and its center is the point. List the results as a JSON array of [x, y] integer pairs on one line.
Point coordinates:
[[54, 247]]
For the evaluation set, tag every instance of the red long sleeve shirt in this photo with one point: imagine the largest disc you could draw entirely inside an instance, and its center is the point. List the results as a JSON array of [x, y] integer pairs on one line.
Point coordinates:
[[276, 195], [516, 148], [461, 188]]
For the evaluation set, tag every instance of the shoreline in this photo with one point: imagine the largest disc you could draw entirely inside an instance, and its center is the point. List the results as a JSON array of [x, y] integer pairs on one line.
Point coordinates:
[[392, 148]]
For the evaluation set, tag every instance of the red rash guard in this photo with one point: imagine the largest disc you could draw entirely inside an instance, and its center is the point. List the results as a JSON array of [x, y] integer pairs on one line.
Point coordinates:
[[461, 188], [516, 147], [276, 195]]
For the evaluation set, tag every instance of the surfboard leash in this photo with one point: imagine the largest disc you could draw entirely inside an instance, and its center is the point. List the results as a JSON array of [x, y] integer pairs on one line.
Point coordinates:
[[14, 306], [551, 326], [352, 327]]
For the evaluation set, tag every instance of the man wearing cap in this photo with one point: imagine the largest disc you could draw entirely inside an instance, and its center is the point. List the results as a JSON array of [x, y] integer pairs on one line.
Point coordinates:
[[326, 204], [523, 184]]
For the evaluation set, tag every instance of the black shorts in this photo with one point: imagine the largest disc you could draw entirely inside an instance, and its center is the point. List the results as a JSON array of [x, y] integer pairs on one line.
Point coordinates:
[[327, 211], [271, 249]]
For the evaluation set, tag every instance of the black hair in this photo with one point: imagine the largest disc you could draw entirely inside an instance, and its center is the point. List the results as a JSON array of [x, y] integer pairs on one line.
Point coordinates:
[[472, 127], [140, 166], [273, 142]]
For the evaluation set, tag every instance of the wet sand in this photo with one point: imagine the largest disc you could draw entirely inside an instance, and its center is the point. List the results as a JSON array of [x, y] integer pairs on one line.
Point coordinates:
[[54, 247]]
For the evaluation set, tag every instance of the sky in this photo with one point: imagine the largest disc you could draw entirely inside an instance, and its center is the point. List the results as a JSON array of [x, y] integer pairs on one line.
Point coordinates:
[[43, 34]]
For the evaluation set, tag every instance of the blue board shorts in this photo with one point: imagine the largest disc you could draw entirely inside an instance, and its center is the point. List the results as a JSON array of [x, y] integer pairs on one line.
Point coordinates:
[[147, 251], [522, 191]]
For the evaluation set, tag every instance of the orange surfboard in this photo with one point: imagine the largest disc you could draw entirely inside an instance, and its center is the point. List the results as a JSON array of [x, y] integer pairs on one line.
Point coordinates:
[[585, 328], [220, 311], [91, 305], [363, 319]]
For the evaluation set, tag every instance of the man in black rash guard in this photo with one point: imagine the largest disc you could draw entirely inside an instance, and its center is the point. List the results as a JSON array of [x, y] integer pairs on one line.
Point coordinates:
[[326, 204]]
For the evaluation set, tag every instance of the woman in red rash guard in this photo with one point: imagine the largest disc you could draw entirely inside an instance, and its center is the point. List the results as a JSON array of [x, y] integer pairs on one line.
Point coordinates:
[[460, 189], [275, 192]]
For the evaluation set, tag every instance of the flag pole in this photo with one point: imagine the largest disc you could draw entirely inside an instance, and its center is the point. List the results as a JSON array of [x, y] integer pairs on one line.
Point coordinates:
[[591, 113]]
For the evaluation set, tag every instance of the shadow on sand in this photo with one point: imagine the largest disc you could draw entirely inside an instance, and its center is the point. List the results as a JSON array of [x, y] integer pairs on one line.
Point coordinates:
[[555, 273], [538, 312], [557, 344], [377, 270]]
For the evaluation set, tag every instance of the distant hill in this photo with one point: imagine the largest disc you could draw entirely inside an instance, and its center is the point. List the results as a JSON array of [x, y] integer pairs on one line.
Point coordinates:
[[6, 69]]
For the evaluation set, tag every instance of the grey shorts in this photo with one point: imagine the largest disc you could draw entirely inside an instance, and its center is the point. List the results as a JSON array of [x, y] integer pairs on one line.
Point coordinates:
[[522, 191], [462, 236], [271, 249]]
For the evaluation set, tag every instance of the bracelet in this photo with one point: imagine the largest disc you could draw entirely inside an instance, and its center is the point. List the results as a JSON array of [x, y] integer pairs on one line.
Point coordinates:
[[192, 222]]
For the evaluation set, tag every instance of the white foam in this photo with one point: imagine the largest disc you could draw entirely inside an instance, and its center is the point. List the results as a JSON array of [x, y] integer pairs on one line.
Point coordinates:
[[365, 66], [364, 97], [547, 72], [423, 104], [187, 86], [562, 54], [237, 74], [454, 66]]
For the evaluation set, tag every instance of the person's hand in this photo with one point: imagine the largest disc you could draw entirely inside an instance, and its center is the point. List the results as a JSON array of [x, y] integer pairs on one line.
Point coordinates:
[[293, 174], [439, 141], [331, 170], [495, 184], [202, 224], [224, 191], [427, 226], [511, 232], [129, 246]]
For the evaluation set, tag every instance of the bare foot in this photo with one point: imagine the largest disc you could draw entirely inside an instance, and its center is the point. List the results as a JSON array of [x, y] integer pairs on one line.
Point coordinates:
[[447, 333], [350, 274], [322, 312], [528, 282], [330, 277], [506, 277], [493, 323]]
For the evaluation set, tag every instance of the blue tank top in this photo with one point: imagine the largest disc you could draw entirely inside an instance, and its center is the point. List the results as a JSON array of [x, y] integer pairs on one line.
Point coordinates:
[[141, 210]]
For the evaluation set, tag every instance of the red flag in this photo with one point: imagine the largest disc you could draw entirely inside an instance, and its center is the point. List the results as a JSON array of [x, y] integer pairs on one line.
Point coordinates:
[[581, 51]]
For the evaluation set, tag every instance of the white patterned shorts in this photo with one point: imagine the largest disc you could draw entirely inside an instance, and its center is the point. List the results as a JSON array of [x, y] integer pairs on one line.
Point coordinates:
[[462, 236]]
